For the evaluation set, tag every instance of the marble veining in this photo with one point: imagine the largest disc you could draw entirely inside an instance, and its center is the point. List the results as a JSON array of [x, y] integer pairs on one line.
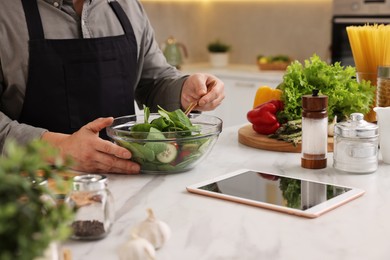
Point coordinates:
[[205, 228]]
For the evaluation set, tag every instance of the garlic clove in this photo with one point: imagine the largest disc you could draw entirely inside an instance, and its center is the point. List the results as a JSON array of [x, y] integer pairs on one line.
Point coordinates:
[[137, 248], [155, 231], [331, 126]]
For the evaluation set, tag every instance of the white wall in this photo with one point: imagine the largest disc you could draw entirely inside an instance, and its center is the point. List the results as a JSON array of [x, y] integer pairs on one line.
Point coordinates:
[[298, 29]]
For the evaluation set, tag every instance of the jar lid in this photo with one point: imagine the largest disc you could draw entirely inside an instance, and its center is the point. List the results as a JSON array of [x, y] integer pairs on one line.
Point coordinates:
[[356, 127], [89, 182], [384, 72]]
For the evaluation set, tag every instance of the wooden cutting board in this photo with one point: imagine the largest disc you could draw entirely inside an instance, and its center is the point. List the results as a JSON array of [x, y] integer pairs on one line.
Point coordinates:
[[247, 136]]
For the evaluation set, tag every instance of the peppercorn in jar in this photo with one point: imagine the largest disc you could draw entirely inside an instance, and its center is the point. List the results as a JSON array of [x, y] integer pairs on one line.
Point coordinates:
[[94, 207]]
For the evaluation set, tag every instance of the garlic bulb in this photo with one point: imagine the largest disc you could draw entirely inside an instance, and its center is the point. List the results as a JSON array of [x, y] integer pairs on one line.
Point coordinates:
[[331, 126], [137, 248], [155, 231]]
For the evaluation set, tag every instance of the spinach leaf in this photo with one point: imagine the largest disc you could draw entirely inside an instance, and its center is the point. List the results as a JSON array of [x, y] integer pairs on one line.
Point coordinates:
[[160, 123], [156, 147], [174, 121], [145, 126], [138, 150], [179, 120], [146, 114]]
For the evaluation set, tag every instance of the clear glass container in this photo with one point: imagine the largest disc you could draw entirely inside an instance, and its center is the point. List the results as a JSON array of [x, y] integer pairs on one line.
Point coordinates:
[[94, 206], [383, 87], [356, 145]]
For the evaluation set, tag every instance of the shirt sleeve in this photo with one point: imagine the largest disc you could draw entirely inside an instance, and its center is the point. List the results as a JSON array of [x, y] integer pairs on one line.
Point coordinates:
[[159, 83], [21, 133], [11, 129]]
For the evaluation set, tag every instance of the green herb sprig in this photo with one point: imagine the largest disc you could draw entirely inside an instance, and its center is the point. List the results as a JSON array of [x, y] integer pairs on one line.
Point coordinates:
[[29, 217]]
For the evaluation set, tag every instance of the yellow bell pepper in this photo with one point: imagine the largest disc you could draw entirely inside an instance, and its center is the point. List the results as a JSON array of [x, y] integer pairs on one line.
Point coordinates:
[[265, 94]]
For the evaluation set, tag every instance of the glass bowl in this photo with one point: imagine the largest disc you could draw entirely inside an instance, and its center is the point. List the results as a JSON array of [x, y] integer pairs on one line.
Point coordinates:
[[166, 152]]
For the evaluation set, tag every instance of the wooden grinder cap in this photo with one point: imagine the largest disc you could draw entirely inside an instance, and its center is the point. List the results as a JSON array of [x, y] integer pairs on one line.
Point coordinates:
[[314, 106]]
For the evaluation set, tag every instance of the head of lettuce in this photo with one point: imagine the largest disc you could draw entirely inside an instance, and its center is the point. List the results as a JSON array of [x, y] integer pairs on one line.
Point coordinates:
[[345, 94]]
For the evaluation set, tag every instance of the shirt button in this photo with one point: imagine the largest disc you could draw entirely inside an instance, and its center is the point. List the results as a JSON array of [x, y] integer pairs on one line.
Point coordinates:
[[56, 4]]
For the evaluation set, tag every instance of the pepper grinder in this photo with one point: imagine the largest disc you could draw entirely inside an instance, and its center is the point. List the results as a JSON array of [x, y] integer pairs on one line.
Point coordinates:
[[314, 131]]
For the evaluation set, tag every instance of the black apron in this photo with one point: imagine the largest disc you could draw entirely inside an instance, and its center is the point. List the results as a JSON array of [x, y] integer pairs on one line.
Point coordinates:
[[73, 81]]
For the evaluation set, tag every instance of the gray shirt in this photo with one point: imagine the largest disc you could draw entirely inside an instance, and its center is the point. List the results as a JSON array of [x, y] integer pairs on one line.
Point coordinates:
[[157, 81]]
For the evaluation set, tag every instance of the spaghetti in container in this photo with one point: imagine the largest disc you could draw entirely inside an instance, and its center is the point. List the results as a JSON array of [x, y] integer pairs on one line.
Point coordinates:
[[370, 45]]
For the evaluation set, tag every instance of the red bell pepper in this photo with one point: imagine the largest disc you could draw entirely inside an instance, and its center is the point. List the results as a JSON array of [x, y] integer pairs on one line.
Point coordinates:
[[263, 117]]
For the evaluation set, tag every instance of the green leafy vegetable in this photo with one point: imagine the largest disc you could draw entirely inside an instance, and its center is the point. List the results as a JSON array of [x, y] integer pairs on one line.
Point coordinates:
[[160, 123], [145, 126], [291, 191], [345, 94], [29, 218], [139, 151], [176, 120], [146, 114], [156, 147], [157, 152]]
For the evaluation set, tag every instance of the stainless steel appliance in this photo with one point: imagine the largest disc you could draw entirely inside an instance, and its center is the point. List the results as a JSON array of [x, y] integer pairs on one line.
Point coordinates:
[[354, 12]]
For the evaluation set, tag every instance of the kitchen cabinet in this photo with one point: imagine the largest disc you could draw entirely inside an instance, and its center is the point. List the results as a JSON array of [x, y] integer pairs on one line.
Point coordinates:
[[241, 83]]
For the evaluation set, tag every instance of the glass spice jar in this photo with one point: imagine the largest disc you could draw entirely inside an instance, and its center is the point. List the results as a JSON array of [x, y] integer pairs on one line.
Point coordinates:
[[383, 87], [93, 202], [356, 145]]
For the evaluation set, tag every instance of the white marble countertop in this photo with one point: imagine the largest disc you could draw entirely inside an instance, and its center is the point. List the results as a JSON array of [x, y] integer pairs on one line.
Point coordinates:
[[235, 71], [208, 228]]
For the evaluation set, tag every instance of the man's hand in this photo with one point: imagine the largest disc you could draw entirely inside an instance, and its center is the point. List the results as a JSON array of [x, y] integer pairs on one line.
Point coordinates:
[[204, 89], [90, 153]]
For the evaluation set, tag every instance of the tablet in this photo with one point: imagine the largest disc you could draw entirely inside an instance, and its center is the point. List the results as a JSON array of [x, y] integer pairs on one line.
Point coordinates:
[[277, 192]]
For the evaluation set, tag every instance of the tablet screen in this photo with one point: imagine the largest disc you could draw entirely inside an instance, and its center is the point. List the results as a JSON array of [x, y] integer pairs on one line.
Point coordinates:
[[279, 191]]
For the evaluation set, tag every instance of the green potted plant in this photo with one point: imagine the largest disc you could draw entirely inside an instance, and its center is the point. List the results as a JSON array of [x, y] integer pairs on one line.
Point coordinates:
[[218, 53], [30, 219]]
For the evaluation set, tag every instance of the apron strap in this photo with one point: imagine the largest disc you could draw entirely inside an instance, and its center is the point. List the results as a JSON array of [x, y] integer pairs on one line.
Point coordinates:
[[33, 18], [123, 19]]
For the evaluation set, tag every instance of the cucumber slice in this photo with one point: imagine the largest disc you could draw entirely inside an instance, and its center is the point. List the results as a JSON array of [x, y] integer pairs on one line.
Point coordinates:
[[168, 155]]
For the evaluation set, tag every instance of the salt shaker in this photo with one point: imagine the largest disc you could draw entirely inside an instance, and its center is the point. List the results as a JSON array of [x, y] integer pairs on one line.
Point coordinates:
[[93, 202], [314, 131], [356, 145]]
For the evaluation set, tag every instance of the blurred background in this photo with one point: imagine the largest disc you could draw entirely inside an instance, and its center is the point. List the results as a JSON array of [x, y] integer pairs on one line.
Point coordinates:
[[296, 28]]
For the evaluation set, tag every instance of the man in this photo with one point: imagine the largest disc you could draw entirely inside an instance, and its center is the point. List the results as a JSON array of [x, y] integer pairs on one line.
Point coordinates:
[[67, 67]]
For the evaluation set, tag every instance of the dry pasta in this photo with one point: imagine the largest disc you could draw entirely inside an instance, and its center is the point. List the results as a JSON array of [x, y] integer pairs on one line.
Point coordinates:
[[370, 46]]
